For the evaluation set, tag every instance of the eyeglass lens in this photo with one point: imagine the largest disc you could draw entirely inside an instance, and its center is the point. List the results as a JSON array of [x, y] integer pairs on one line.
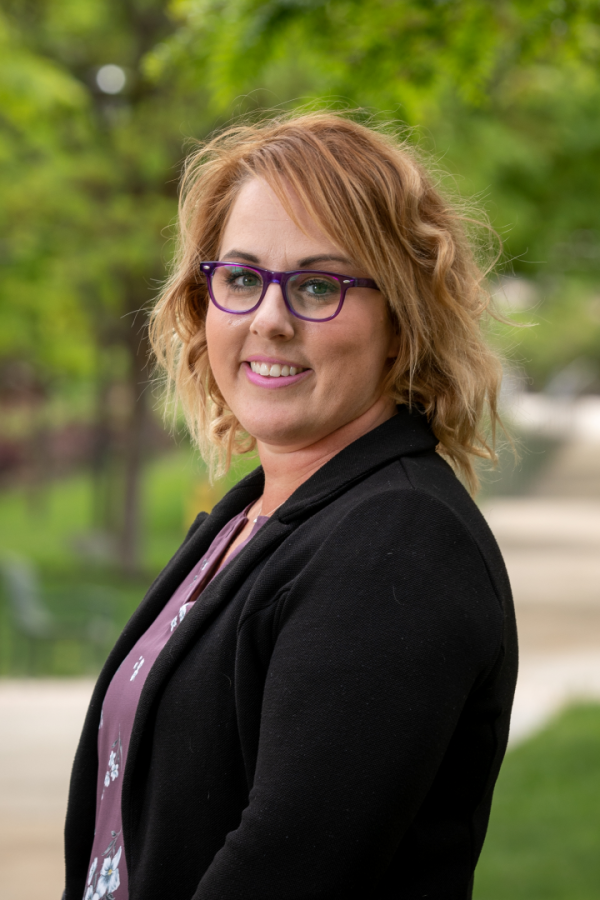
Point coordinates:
[[310, 294]]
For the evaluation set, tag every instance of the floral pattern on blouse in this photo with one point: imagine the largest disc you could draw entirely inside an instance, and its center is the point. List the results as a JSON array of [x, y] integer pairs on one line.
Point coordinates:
[[180, 616], [137, 666], [114, 762], [105, 883]]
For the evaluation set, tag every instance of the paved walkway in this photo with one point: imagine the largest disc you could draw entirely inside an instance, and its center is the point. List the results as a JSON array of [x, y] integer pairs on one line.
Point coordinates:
[[551, 546], [551, 543], [41, 721]]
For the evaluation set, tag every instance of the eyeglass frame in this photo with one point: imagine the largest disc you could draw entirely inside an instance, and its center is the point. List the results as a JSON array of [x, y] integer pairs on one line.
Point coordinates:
[[281, 278]]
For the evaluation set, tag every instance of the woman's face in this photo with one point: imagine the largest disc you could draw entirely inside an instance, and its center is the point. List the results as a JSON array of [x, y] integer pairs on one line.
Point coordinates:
[[342, 361]]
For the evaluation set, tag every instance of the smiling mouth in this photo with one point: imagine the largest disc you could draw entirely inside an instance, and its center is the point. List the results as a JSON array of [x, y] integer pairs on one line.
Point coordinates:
[[275, 370]]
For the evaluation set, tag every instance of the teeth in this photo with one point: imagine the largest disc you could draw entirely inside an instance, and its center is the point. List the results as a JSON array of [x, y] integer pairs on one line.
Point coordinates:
[[274, 371]]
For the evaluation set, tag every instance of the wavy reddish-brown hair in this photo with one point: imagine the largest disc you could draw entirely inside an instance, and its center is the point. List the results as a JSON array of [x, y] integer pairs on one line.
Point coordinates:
[[369, 192]]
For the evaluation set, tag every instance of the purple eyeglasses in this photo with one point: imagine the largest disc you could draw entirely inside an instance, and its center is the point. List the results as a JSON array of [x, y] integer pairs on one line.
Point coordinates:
[[312, 296]]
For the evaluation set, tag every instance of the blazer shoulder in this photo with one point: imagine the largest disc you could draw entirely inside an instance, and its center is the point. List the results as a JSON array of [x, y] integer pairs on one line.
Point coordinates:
[[431, 475], [422, 493], [425, 479], [200, 518], [387, 550]]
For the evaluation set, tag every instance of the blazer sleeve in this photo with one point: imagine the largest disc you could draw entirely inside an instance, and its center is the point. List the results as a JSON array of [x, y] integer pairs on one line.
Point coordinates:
[[378, 644]]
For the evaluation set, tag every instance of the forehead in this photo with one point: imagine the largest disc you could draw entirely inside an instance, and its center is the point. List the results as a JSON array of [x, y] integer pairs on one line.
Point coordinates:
[[258, 221]]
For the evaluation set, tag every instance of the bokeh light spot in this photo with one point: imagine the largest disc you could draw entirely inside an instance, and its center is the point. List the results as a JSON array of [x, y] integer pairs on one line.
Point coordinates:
[[110, 79]]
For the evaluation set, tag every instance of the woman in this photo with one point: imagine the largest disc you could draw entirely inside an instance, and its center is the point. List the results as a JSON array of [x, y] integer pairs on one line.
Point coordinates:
[[313, 699]]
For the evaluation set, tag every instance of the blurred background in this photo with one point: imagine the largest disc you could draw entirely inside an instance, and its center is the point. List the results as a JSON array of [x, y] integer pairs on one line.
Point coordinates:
[[99, 101]]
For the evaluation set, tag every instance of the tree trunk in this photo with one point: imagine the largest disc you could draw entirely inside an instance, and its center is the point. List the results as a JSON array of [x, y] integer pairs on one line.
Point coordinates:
[[103, 519], [134, 452]]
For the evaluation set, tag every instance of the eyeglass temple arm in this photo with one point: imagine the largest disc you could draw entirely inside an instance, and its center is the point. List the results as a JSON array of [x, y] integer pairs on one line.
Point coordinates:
[[365, 282]]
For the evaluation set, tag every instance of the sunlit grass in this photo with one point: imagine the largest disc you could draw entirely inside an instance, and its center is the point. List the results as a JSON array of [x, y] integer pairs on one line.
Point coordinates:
[[544, 837]]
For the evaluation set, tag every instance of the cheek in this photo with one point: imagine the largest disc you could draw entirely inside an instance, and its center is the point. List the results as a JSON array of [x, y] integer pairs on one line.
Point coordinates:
[[224, 339], [213, 334], [361, 345]]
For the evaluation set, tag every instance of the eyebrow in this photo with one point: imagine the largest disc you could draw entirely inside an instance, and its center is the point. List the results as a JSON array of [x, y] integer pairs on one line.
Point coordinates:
[[239, 254], [306, 263], [309, 261]]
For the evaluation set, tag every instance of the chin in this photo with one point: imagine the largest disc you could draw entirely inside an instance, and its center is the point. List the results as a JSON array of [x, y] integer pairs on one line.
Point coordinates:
[[280, 430]]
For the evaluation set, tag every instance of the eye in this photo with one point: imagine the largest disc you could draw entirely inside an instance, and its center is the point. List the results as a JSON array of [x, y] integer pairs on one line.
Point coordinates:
[[240, 278], [319, 287]]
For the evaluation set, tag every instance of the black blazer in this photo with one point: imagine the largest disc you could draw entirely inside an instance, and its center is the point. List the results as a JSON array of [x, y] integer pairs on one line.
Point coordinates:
[[330, 717]]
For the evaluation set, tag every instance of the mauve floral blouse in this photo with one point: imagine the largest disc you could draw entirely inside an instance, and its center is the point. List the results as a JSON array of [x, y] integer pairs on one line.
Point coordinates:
[[108, 872]]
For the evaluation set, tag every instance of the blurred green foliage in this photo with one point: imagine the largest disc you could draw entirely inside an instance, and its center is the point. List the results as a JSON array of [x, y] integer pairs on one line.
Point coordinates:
[[544, 832], [85, 179], [44, 524], [52, 529], [506, 94], [379, 54]]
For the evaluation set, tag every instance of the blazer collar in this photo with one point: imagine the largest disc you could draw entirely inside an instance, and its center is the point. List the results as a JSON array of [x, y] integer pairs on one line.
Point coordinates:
[[405, 434]]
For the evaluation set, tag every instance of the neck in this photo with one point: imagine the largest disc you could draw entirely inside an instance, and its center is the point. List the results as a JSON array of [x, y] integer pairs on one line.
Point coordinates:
[[286, 469]]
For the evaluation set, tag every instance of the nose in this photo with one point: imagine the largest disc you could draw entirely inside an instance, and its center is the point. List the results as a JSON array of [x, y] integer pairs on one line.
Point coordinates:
[[273, 318]]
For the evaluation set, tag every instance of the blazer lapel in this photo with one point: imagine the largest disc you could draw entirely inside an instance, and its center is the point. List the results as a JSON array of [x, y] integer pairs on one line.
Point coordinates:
[[214, 596], [167, 582], [212, 599]]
